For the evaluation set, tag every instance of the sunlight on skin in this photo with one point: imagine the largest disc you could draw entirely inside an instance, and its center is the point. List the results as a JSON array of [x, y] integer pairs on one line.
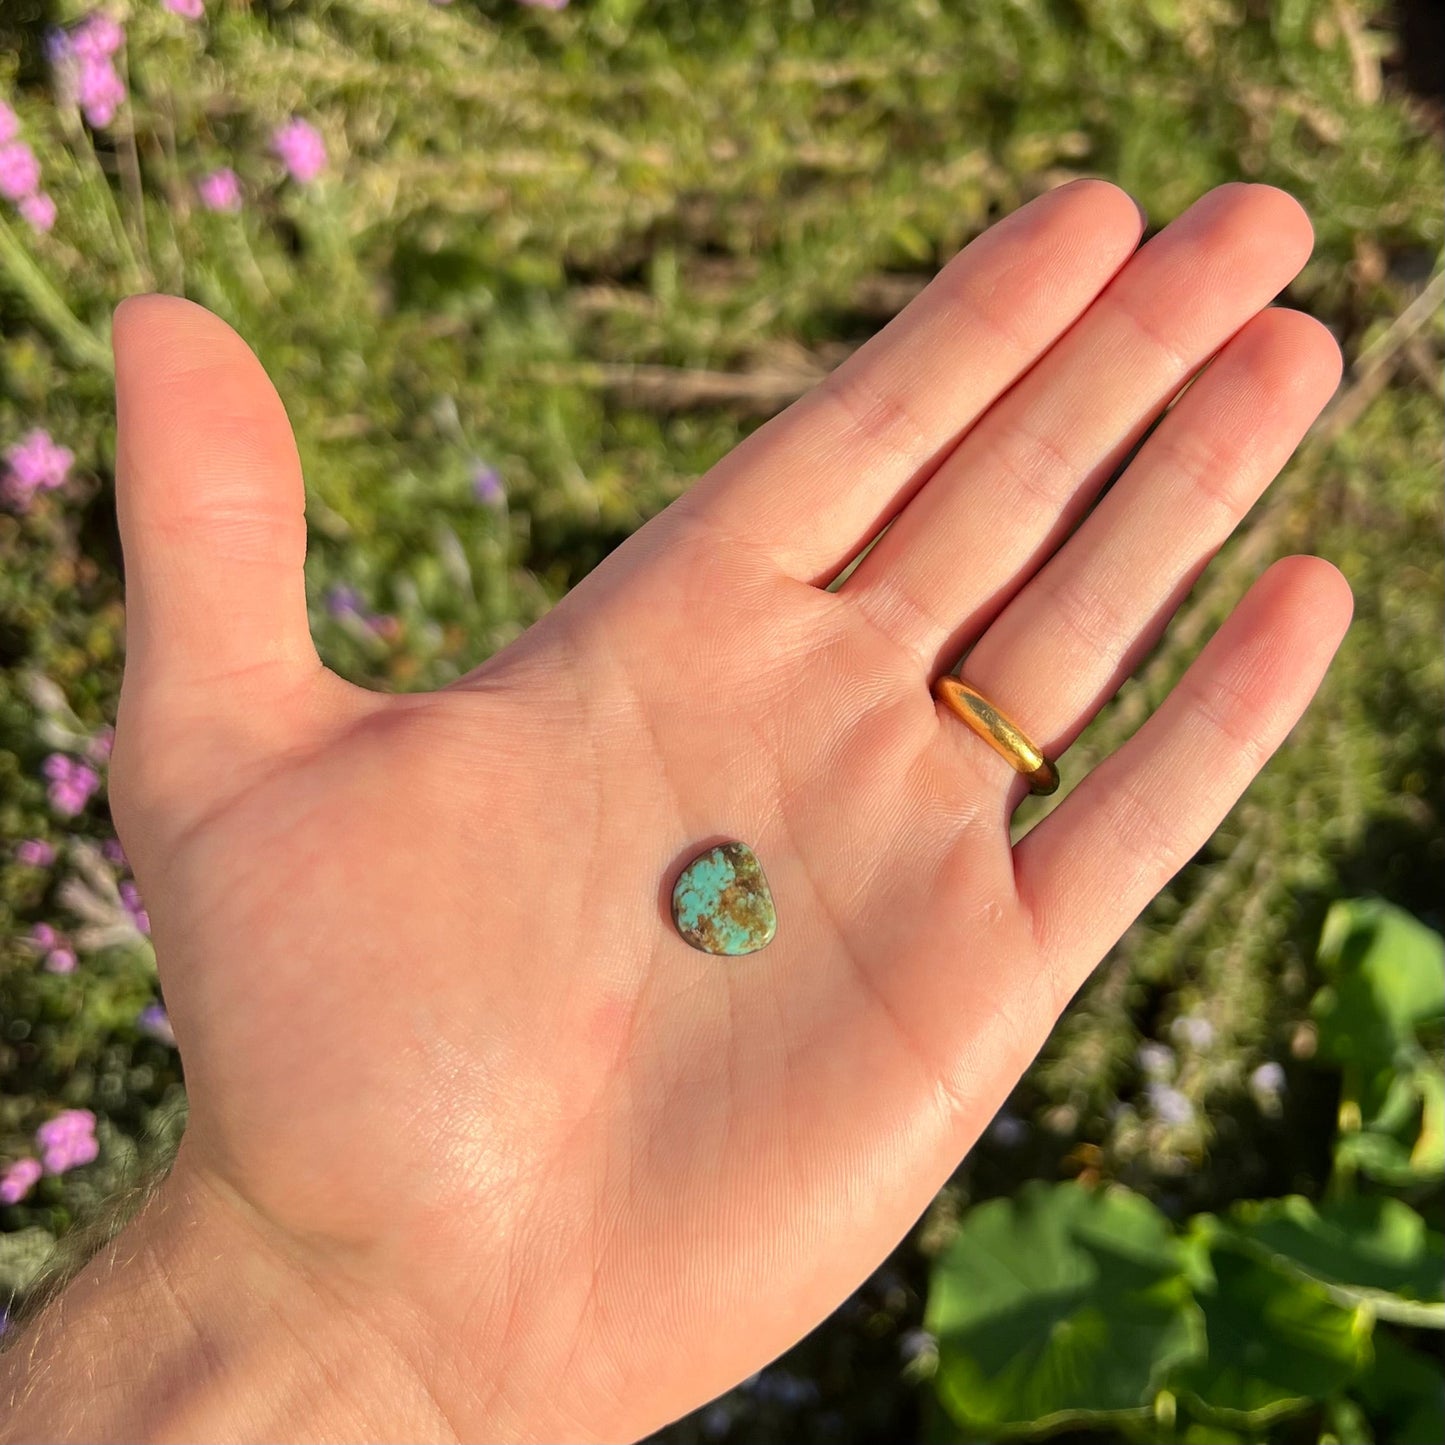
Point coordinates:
[[478, 1143]]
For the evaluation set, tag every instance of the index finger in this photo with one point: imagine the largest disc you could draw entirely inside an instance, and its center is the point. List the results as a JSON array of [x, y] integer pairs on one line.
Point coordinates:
[[818, 481]]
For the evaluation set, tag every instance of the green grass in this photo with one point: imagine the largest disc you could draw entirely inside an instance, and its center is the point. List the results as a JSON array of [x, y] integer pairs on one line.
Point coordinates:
[[596, 249]]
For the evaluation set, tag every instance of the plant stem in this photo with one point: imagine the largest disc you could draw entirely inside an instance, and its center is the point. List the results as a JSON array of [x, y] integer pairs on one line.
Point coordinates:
[[21, 270]]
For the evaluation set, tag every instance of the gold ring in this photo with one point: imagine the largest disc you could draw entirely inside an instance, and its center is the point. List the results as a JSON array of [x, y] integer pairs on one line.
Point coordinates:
[[998, 732]]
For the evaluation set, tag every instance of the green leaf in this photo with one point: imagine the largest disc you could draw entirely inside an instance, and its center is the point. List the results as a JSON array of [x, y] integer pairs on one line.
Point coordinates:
[[1428, 1155], [1404, 1142], [1362, 1250], [1276, 1343], [1379, 1156], [1404, 1391], [1387, 972], [1347, 1423], [1062, 1305]]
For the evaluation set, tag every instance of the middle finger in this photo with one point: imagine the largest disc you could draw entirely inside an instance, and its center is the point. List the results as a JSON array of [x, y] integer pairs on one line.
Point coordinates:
[[1018, 482]]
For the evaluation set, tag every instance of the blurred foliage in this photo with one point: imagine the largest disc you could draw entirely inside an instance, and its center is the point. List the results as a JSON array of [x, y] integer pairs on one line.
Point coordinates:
[[594, 249], [1087, 1308]]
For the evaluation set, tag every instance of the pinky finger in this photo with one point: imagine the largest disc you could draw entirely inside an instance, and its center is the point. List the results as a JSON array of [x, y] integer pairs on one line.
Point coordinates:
[[1092, 866]]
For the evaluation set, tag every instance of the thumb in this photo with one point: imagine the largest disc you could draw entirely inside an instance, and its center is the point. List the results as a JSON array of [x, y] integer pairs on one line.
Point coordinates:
[[211, 509], [210, 502]]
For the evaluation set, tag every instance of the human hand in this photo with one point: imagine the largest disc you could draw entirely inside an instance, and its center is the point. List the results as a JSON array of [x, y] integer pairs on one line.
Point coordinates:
[[452, 1070]]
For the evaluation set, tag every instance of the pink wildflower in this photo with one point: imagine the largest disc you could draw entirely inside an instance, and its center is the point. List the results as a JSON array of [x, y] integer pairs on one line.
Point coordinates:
[[101, 90], [61, 960], [301, 148], [97, 37], [39, 210], [72, 783], [19, 171], [67, 1141], [86, 73], [18, 1179], [37, 464], [220, 191]]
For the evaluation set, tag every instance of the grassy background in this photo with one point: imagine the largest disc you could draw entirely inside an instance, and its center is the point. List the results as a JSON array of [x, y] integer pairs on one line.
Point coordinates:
[[595, 249]]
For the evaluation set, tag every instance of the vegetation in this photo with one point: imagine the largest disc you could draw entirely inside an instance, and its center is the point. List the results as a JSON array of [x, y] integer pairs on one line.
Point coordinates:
[[554, 265]]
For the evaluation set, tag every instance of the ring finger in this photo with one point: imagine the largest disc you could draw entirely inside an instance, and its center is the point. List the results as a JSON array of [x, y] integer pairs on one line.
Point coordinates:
[[1081, 625]]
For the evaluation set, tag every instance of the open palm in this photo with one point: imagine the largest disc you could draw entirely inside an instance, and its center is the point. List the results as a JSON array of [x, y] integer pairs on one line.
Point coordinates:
[[446, 1051]]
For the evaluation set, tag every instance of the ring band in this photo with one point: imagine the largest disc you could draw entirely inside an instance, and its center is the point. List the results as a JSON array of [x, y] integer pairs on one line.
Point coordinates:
[[973, 708]]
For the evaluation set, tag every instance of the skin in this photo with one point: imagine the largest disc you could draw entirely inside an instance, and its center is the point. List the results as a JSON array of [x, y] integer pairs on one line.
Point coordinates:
[[479, 1147]]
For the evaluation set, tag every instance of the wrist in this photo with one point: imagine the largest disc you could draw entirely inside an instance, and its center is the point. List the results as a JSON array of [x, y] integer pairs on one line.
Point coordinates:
[[198, 1323]]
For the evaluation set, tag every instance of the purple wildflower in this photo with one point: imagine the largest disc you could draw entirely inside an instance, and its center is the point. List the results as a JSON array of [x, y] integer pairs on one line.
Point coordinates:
[[913, 1344], [301, 148], [343, 601], [60, 960], [19, 171], [130, 898], [346, 603], [220, 191], [188, 9], [35, 853], [9, 123], [67, 1141], [716, 1420], [112, 852], [98, 749], [1168, 1104], [544, 4], [1268, 1079], [487, 486], [1156, 1060], [155, 1022], [39, 210], [1192, 1030], [1007, 1129], [18, 1179], [36, 464], [72, 783], [781, 1387]]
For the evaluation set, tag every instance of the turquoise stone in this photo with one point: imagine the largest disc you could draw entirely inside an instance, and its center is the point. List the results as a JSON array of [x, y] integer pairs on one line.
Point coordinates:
[[721, 902]]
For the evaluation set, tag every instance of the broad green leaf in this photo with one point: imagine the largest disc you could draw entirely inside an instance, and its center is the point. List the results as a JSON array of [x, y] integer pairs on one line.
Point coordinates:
[[1428, 1155], [1387, 972], [1276, 1343], [1348, 1424], [1374, 1250], [1404, 1143], [1403, 1390], [1063, 1304], [1378, 1156]]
